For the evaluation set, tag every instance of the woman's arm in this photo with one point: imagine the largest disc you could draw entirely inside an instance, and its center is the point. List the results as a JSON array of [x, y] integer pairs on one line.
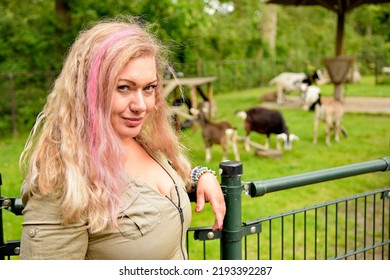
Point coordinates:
[[208, 189]]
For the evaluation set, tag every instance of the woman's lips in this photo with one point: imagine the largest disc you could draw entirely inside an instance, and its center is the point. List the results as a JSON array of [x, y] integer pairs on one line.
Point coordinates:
[[133, 122]]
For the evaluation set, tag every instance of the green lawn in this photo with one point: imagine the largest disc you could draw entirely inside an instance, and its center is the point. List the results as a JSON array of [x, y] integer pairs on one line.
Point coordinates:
[[366, 87], [368, 139]]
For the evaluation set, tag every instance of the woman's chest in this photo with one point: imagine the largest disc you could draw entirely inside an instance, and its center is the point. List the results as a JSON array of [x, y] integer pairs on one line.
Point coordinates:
[[151, 226]]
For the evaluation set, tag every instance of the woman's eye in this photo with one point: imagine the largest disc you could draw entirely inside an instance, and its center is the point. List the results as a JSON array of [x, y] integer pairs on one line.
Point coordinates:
[[150, 88], [123, 88], [128, 89]]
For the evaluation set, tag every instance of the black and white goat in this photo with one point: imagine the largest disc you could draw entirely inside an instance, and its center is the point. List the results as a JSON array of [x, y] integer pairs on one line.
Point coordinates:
[[222, 133], [287, 82], [329, 110], [266, 121]]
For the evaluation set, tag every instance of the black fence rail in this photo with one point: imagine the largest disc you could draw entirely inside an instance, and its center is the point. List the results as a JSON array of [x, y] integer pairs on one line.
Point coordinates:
[[355, 227]]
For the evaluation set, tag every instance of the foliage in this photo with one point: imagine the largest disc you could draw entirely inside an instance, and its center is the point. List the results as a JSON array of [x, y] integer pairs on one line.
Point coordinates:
[[201, 33], [34, 37]]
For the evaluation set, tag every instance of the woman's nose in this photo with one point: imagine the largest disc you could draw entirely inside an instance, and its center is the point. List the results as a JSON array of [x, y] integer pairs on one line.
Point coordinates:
[[138, 102]]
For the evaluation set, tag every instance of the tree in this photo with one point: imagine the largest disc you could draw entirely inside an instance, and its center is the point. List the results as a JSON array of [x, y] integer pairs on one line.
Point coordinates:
[[36, 38], [268, 28]]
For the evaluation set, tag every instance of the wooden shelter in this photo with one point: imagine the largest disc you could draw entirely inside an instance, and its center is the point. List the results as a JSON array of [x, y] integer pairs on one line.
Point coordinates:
[[339, 65], [176, 87], [194, 84]]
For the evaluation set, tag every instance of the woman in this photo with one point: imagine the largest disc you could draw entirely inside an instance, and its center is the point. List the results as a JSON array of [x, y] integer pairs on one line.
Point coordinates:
[[105, 174]]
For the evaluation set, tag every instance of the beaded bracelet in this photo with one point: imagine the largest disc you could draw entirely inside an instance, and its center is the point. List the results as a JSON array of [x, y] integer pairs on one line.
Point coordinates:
[[198, 171]]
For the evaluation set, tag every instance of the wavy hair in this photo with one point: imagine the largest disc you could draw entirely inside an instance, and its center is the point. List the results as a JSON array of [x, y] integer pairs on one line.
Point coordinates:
[[73, 152]]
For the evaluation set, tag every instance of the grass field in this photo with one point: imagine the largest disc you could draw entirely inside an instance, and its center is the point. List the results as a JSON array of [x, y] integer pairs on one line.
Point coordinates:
[[369, 138]]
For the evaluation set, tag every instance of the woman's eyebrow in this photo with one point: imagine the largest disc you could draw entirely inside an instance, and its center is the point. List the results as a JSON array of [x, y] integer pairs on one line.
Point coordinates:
[[134, 83], [127, 81]]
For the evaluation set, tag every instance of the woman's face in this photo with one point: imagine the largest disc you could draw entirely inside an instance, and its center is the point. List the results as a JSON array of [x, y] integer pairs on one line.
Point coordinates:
[[134, 96]]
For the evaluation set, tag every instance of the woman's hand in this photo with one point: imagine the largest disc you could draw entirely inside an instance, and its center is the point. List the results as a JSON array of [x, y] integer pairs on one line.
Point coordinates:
[[209, 190]]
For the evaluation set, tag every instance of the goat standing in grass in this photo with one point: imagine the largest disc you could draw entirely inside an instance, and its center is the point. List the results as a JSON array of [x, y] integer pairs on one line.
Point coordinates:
[[287, 82], [329, 110], [222, 133], [266, 121]]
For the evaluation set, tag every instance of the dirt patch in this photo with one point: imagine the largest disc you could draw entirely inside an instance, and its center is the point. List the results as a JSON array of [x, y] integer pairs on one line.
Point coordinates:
[[372, 105]]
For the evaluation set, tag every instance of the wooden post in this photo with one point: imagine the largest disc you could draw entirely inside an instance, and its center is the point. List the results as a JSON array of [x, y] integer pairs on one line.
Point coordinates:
[[194, 104]]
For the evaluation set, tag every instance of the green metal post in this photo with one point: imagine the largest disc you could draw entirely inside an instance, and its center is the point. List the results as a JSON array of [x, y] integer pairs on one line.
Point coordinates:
[[231, 248]]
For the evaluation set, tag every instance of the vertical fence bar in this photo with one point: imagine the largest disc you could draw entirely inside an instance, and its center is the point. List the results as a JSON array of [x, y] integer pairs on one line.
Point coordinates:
[[315, 232], [373, 226], [336, 229], [294, 236], [282, 238], [245, 248], [326, 232], [365, 227], [388, 230], [1, 226], [346, 229], [305, 235], [204, 250], [231, 241], [270, 239], [383, 228], [356, 228]]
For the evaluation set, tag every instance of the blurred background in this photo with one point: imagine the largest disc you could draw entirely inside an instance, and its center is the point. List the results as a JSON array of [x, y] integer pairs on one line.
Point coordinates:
[[243, 43]]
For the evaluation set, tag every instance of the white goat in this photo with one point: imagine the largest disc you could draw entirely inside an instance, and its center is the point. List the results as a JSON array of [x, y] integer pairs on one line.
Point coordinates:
[[222, 133], [329, 110], [309, 95], [287, 82], [386, 70]]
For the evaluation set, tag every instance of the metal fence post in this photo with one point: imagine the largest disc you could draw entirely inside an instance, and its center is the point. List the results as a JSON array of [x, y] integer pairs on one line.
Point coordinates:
[[231, 248]]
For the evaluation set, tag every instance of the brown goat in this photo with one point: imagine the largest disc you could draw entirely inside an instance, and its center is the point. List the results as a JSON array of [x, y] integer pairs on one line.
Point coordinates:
[[329, 110], [221, 133]]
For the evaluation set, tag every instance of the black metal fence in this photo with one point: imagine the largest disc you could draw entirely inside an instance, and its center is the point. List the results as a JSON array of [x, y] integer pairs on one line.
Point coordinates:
[[355, 227]]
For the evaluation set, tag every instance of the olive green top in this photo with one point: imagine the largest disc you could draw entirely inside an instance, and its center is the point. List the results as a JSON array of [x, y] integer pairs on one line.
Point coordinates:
[[151, 226]]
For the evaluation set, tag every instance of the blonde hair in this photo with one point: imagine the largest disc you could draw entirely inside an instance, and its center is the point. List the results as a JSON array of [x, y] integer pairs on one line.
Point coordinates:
[[73, 153]]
